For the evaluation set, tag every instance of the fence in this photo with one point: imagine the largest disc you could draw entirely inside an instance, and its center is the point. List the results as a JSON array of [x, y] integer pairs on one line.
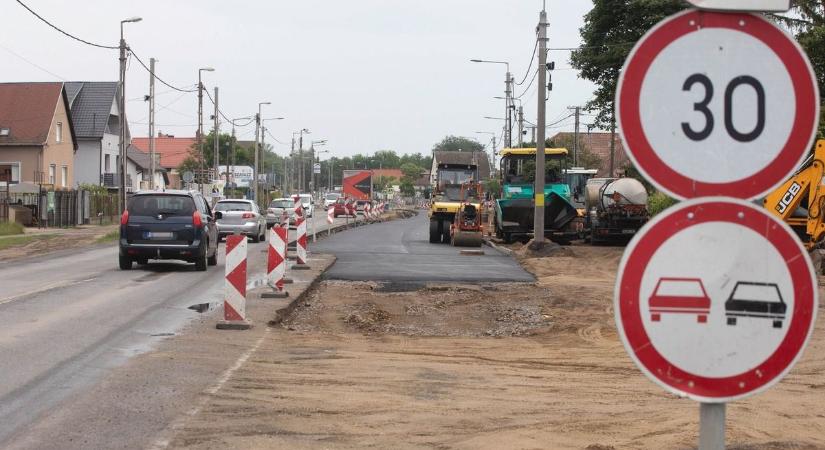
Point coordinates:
[[4, 202], [62, 208]]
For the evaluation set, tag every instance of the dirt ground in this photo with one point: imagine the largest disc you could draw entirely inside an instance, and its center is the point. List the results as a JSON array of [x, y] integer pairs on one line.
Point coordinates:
[[363, 365], [54, 239]]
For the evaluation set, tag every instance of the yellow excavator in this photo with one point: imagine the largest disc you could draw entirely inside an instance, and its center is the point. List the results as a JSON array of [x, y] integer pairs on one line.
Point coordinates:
[[800, 201]]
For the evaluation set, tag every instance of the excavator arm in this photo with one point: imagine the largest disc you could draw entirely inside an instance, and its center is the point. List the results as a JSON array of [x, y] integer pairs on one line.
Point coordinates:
[[799, 201]]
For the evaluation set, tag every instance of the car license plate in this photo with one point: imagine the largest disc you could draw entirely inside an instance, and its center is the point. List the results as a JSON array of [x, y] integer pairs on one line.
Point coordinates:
[[628, 231], [158, 235]]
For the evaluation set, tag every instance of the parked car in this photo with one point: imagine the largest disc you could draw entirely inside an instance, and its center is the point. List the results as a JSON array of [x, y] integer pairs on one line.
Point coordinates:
[[309, 207], [168, 225], [340, 208], [680, 296], [330, 199], [757, 300], [276, 210], [241, 216]]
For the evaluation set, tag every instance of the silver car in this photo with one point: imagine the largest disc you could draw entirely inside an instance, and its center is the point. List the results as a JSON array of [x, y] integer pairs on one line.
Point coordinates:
[[279, 208], [241, 216]]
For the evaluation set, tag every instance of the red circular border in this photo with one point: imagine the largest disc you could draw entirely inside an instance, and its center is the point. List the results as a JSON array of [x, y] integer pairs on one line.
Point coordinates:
[[629, 303], [643, 56]]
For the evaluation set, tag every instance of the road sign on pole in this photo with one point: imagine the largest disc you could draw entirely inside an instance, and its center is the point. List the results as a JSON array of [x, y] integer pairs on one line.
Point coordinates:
[[715, 299], [717, 104]]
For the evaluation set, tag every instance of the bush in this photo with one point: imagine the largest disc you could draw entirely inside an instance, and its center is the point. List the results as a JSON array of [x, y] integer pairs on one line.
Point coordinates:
[[659, 202], [10, 228]]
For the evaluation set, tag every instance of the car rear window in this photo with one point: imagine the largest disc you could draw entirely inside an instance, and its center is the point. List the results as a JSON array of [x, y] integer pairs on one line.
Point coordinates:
[[166, 204], [281, 204], [233, 206], [768, 293]]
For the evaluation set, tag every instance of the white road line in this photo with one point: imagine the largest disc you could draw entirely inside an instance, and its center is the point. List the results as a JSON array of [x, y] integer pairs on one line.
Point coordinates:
[[49, 287], [164, 442]]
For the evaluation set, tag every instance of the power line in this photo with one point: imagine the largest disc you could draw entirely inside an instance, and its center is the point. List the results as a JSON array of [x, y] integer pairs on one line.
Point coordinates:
[[110, 47], [589, 47], [532, 58], [155, 75], [535, 74], [32, 63], [274, 138]]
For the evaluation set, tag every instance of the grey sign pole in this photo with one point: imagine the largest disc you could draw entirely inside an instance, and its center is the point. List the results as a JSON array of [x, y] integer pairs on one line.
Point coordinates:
[[711, 426]]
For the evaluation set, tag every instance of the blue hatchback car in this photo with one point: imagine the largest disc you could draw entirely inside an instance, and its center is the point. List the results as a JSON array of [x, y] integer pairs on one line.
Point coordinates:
[[168, 225]]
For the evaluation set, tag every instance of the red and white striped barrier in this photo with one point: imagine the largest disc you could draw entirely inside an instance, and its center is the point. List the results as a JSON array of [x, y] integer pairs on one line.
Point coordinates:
[[299, 207], [234, 306], [301, 247], [331, 215], [368, 211], [276, 263]]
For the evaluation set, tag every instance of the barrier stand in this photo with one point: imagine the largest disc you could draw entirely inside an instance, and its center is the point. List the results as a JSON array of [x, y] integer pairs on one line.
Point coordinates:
[[330, 219], [287, 256], [276, 263], [234, 305], [301, 247]]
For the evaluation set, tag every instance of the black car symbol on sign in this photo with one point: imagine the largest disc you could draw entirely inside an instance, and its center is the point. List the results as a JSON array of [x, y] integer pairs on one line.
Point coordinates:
[[756, 300]]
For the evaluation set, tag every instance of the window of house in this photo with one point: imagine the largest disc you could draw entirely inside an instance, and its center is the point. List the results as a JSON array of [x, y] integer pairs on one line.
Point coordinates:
[[64, 176], [52, 169], [59, 132], [107, 164], [9, 172]]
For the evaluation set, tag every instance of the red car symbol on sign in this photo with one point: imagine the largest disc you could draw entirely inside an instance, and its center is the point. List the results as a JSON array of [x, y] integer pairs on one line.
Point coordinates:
[[680, 296]]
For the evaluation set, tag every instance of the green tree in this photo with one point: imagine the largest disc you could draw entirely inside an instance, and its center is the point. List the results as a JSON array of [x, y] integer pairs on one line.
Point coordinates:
[[609, 32], [411, 171], [808, 24], [407, 188], [458, 143]]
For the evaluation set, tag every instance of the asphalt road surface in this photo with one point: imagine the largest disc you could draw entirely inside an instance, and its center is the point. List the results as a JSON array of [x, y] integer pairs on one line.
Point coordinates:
[[69, 317], [399, 251]]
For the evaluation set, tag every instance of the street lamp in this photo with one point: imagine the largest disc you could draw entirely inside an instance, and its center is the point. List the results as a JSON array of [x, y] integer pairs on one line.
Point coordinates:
[[508, 95], [301, 174], [122, 115], [257, 150], [263, 147]]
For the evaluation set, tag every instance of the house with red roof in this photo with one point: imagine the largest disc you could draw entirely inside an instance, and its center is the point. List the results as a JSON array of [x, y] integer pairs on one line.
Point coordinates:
[[171, 150], [597, 143], [37, 138]]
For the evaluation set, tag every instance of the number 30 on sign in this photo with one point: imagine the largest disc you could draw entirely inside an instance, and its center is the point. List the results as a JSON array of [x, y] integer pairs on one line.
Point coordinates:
[[717, 104]]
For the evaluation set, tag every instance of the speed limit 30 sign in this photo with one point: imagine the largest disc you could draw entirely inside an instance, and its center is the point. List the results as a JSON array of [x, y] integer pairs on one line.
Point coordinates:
[[717, 104]]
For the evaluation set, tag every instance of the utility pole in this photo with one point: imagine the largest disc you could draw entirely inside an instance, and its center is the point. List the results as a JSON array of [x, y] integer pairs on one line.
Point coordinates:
[[520, 126], [263, 159], [541, 122], [230, 172], [301, 162], [292, 165], [200, 124], [121, 198], [612, 143], [577, 111], [508, 132], [152, 123], [255, 175], [216, 136]]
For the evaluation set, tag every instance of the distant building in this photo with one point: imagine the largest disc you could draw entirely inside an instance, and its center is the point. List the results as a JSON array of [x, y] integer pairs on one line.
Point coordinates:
[[37, 137], [597, 143]]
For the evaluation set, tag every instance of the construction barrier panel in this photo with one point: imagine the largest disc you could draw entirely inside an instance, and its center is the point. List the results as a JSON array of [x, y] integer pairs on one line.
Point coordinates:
[[276, 263], [301, 247], [234, 306]]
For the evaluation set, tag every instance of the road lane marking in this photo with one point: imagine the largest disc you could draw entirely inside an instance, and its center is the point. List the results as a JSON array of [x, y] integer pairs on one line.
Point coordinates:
[[49, 287]]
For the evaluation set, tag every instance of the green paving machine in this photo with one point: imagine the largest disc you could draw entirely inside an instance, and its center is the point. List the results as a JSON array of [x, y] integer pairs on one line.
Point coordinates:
[[514, 210]]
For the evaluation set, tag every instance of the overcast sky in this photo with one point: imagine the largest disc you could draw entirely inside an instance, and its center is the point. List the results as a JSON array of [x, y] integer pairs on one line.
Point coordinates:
[[365, 75]]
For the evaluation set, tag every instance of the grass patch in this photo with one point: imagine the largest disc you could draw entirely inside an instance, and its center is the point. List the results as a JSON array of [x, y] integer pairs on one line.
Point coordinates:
[[10, 228], [111, 236]]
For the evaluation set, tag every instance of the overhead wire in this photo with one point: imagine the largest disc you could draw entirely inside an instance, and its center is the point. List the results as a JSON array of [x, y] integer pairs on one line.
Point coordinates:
[[110, 47], [530, 66], [156, 76]]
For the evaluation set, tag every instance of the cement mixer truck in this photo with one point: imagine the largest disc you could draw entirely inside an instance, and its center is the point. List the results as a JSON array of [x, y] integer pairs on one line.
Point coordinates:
[[616, 209]]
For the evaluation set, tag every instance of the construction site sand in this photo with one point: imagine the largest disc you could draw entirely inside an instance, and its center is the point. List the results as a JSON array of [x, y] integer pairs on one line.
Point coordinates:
[[361, 365]]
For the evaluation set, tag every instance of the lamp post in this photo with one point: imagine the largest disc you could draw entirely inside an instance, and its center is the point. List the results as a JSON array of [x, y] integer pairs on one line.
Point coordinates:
[[301, 174], [121, 200], [508, 94], [312, 159]]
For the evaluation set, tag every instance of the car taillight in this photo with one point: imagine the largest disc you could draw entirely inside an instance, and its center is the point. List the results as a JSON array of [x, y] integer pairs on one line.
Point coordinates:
[[247, 215], [124, 218], [196, 219]]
